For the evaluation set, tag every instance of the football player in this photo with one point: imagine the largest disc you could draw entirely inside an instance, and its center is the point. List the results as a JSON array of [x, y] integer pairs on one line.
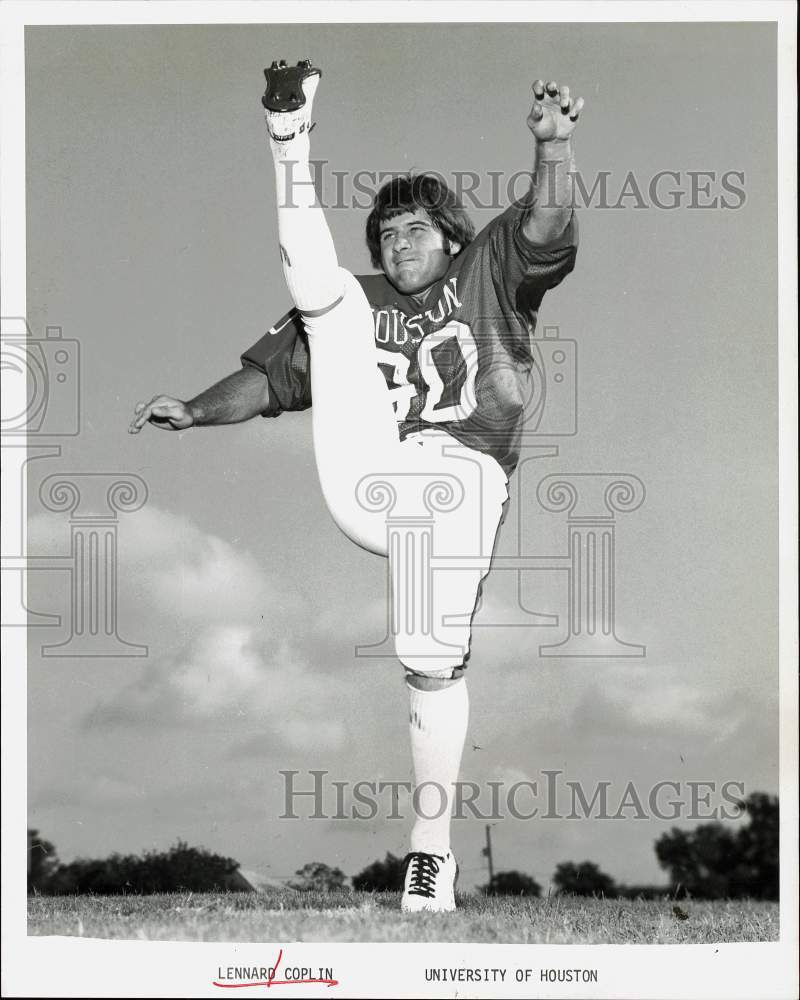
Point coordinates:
[[430, 362]]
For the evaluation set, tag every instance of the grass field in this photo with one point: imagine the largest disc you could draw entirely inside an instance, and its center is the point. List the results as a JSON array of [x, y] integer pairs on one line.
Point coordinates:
[[351, 916]]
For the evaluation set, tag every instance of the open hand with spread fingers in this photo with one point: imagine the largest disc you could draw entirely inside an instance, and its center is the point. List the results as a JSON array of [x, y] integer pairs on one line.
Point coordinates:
[[554, 114]]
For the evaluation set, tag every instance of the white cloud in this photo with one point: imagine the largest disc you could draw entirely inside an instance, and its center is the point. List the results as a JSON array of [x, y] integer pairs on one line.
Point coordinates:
[[671, 698], [225, 635], [224, 672], [169, 566], [671, 704], [195, 575], [221, 669]]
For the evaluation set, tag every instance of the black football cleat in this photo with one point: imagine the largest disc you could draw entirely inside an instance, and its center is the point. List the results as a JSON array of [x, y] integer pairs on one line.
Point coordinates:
[[287, 102], [285, 85]]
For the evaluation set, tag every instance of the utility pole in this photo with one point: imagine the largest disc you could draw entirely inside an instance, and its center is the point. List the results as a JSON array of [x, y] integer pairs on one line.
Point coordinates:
[[487, 852]]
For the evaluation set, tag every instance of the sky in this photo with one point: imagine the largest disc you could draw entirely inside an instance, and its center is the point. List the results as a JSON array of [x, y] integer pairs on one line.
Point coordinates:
[[151, 240]]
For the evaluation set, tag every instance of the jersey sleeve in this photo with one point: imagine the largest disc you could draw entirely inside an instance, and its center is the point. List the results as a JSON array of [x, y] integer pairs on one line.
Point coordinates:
[[526, 270], [282, 354]]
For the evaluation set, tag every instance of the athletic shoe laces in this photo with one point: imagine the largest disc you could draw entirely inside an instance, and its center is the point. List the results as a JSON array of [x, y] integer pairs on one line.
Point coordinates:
[[424, 869]]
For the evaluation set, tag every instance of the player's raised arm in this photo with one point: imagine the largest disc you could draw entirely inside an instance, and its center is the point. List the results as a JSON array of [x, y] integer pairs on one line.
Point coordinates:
[[552, 121], [238, 397]]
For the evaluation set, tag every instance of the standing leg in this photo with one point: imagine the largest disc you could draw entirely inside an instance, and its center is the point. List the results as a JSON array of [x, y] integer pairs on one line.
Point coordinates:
[[437, 688]]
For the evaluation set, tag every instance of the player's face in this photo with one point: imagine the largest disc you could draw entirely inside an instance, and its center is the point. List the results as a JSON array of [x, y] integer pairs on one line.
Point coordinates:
[[413, 252]]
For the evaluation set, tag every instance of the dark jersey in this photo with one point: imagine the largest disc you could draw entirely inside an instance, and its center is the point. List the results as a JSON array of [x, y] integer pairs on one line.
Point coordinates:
[[463, 362]]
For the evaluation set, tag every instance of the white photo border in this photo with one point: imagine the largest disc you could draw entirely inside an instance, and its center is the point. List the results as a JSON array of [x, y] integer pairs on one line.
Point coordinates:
[[39, 966]]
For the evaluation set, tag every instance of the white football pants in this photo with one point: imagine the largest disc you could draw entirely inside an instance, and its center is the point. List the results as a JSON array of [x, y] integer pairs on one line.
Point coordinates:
[[430, 504]]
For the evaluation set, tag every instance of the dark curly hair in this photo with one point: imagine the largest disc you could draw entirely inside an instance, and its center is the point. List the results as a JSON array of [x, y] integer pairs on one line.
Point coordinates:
[[410, 192]]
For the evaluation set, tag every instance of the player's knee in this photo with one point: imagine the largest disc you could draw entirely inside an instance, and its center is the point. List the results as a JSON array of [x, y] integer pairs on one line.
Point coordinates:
[[335, 290], [360, 526], [429, 666], [434, 680], [364, 534], [444, 674], [425, 655]]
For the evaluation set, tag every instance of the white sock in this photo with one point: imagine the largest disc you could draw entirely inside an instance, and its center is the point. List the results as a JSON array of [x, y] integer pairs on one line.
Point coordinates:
[[308, 255], [437, 726]]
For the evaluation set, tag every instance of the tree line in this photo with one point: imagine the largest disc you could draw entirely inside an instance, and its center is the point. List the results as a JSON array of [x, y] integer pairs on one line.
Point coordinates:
[[180, 868], [708, 862]]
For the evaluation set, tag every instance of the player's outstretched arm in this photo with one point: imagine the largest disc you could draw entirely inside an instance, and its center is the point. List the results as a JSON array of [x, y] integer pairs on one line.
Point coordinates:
[[553, 119], [239, 397]]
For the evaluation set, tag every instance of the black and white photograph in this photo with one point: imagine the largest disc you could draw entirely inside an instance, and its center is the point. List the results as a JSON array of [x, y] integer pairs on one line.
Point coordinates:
[[399, 500]]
